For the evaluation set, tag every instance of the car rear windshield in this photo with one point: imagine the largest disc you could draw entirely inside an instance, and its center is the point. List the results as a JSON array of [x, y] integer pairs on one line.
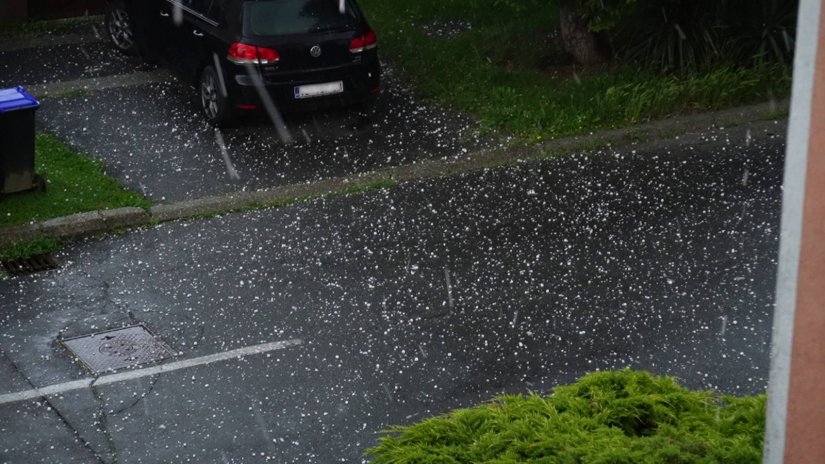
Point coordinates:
[[280, 17]]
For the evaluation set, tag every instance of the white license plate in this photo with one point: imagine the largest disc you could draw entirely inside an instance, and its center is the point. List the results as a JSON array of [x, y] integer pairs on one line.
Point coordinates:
[[319, 90]]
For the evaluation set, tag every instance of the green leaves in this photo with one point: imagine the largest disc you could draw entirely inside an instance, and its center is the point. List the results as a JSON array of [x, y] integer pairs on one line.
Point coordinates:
[[693, 35], [509, 70], [616, 417], [602, 15]]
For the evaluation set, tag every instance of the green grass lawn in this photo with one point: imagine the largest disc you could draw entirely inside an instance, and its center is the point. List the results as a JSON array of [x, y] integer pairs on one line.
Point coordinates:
[[75, 184], [508, 70], [621, 417], [38, 28]]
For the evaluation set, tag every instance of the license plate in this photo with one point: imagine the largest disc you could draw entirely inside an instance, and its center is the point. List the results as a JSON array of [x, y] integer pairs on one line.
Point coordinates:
[[319, 90]]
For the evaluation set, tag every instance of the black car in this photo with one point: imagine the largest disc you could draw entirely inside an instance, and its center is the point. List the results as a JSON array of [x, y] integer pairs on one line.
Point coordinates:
[[244, 54]]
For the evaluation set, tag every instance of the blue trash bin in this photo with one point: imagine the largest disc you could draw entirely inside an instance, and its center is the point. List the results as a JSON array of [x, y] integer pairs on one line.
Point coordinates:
[[17, 109]]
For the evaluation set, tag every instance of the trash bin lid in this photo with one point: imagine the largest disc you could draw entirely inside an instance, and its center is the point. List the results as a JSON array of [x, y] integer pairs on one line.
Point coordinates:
[[16, 98]]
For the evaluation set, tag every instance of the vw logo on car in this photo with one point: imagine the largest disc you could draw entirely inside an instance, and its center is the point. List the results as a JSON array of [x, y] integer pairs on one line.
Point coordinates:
[[315, 51]]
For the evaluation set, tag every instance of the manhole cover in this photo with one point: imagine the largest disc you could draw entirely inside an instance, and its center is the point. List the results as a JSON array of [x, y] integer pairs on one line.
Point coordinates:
[[24, 266], [116, 349]]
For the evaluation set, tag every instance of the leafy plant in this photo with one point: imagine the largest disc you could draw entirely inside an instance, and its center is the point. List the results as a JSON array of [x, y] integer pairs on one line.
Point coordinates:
[[509, 70], [689, 35], [26, 249], [602, 15], [606, 417]]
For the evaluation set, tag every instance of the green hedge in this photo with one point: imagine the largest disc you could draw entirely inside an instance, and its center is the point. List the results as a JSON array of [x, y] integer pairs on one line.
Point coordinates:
[[616, 417]]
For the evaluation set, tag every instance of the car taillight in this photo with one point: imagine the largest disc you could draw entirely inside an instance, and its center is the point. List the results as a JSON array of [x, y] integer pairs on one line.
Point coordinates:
[[268, 55], [240, 53], [367, 41]]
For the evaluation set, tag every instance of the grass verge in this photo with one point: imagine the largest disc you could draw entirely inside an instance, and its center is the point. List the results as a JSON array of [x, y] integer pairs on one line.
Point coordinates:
[[26, 249], [36, 28], [502, 62], [606, 417], [75, 184]]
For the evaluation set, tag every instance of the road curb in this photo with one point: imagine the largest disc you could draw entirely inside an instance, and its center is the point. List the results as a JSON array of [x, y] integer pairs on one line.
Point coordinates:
[[74, 226], [124, 217], [21, 233], [99, 83], [687, 129]]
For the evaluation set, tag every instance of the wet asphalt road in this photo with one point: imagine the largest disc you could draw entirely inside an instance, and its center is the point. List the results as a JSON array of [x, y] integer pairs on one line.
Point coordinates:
[[408, 302]]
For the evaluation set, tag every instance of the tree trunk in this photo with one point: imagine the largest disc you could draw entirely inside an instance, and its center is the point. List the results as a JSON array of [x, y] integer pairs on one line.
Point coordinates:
[[576, 37]]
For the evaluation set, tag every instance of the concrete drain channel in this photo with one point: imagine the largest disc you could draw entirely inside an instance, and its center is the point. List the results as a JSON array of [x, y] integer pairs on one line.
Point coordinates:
[[117, 349], [34, 264]]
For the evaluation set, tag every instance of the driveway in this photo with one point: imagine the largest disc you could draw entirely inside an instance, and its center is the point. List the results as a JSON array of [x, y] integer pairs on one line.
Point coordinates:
[[356, 313], [144, 124]]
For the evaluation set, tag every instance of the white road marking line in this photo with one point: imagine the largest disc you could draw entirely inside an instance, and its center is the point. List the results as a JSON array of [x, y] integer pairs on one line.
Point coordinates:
[[147, 372]]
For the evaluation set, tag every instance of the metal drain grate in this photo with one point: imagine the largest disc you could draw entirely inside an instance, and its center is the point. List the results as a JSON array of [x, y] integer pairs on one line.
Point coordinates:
[[25, 266], [116, 349]]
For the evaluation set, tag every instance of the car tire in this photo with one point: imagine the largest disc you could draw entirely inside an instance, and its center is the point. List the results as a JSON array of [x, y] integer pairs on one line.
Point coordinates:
[[120, 28], [214, 104]]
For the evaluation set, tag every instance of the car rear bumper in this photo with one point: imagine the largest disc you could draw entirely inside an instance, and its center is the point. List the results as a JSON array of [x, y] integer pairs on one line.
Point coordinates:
[[359, 83]]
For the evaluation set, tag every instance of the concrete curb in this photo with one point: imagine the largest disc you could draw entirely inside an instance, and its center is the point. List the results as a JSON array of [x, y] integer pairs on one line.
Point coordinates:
[[99, 83], [689, 129]]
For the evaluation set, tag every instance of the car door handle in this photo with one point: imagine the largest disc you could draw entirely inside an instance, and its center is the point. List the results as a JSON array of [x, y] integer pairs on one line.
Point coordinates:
[[197, 34], [164, 14]]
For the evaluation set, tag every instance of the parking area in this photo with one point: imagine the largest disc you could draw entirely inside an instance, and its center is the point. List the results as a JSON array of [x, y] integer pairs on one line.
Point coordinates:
[[144, 124]]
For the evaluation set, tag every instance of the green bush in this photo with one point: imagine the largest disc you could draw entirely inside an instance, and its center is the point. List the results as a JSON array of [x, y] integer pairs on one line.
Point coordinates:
[[691, 35], [605, 418]]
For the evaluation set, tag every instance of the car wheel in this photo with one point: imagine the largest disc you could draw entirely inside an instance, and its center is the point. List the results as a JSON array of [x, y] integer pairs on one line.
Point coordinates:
[[214, 104], [120, 28]]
